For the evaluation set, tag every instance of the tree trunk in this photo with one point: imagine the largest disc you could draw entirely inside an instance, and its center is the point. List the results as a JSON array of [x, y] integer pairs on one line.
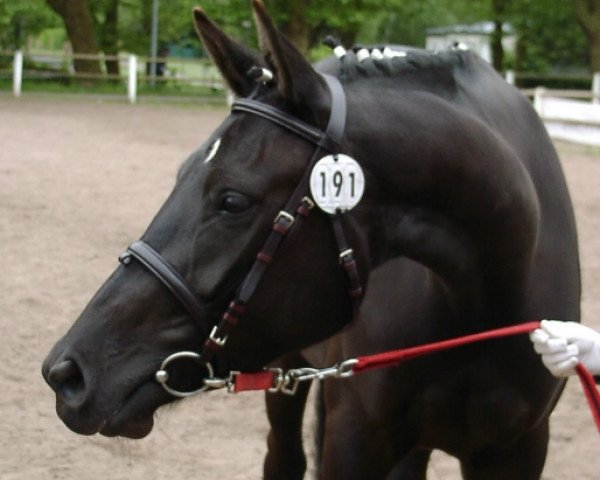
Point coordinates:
[[588, 16], [595, 54], [297, 29], [497, 48], [499, 9], [109, 35], [79, 24]]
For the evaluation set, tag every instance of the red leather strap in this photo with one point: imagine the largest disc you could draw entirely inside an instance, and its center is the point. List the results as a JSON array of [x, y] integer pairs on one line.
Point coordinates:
[[254, 381]]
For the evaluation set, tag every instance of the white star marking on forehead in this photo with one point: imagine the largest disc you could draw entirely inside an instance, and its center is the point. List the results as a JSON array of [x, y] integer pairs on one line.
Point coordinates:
[[212, 151]]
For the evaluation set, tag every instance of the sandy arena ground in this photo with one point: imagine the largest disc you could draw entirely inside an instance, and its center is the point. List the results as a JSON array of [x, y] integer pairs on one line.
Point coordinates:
[[79, 180]]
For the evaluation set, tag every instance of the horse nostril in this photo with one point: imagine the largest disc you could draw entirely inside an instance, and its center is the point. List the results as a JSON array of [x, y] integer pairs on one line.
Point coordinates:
[[66, 379]]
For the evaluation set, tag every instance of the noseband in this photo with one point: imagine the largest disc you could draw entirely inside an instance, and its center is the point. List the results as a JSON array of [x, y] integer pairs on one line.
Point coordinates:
[[291, 216]]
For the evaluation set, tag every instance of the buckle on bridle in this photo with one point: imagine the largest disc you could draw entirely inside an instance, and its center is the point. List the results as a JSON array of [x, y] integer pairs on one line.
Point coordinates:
[[285, 216], [308, 202], [216, 340], [283, 222], [345, 256]]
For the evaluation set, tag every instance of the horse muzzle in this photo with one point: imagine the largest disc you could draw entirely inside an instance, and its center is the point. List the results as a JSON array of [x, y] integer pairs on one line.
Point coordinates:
[[73, 405], [115, 407]]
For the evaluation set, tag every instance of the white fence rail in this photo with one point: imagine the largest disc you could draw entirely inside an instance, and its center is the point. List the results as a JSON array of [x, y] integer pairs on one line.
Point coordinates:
[[572, 115], [17, 73], [190, 72], [569, 119], [564, 113]]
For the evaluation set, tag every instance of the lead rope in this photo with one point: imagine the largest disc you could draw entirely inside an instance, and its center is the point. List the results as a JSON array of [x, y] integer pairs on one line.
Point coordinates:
[[275, 380], [592, 394]]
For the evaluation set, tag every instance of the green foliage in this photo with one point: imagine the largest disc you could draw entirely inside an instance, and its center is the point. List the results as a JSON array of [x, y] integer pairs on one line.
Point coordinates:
[[20, 19], [549, 36], [175, 24], [405, 22]]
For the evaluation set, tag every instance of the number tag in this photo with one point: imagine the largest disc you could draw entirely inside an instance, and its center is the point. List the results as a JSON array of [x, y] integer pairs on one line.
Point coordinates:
[[337, 183]]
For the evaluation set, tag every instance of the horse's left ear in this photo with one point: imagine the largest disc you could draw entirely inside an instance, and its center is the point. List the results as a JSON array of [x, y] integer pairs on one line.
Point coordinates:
[[297, 81], [231, 58]]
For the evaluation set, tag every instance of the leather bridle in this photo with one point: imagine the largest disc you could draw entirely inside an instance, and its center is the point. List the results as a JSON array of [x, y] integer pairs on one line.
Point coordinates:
[[291, 216]]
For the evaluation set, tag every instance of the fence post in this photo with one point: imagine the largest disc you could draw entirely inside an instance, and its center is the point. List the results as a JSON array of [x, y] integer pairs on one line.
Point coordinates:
[[17, 73], [596, 88], [538, 100], [510, 77], [132, 79]]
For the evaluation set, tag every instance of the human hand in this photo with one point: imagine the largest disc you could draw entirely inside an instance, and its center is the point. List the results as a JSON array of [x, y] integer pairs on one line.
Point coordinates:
[[562, 345]]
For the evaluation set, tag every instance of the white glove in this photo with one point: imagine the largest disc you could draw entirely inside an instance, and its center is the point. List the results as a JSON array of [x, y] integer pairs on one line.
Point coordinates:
[[563, 345]]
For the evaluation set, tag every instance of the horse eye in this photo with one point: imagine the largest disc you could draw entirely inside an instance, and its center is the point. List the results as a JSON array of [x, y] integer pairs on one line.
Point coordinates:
[[234, 202]]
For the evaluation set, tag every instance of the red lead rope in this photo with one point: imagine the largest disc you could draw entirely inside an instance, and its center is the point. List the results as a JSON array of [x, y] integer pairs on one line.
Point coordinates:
[[591, 392], [394, 357], [265, 380]]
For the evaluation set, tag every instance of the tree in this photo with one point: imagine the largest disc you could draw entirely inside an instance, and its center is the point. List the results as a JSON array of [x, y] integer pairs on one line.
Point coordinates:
[[18, 20], [548, 36], [79, 24], [406, 22], [499, 10], [107, 19], [588, 16], [304, 22]]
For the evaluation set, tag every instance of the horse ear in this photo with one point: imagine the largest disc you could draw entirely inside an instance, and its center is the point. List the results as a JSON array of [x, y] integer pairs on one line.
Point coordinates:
[[232, 58], [297, 81]]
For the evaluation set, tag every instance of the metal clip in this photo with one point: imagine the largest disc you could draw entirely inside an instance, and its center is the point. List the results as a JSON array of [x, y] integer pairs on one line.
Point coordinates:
[[213, 337], [216, 383], [345, 369], [289, 386], [292, 379], [278, 380]]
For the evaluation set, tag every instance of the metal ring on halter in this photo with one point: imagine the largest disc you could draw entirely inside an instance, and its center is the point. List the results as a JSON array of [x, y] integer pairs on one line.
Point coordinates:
[[162, 376]]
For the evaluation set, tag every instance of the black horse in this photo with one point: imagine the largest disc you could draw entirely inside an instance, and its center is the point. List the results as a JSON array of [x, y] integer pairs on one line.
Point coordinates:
[[465, 224]]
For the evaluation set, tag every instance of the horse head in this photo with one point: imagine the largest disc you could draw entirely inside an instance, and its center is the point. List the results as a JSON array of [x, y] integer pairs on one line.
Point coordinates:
[[209, 230]]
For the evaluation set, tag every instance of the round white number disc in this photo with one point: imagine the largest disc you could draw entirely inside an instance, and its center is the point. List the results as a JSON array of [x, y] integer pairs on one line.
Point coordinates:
[[337, 183]]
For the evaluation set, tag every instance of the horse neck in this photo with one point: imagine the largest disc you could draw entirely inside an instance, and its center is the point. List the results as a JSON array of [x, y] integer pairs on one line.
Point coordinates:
[[449, 193]]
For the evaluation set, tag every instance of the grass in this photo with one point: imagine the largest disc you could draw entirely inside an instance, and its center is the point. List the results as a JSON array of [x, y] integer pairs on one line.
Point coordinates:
[[565, 147], [163, 89]]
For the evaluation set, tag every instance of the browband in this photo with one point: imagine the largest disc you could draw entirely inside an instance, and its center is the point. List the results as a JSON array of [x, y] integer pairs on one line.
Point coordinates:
[[330, 139]]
